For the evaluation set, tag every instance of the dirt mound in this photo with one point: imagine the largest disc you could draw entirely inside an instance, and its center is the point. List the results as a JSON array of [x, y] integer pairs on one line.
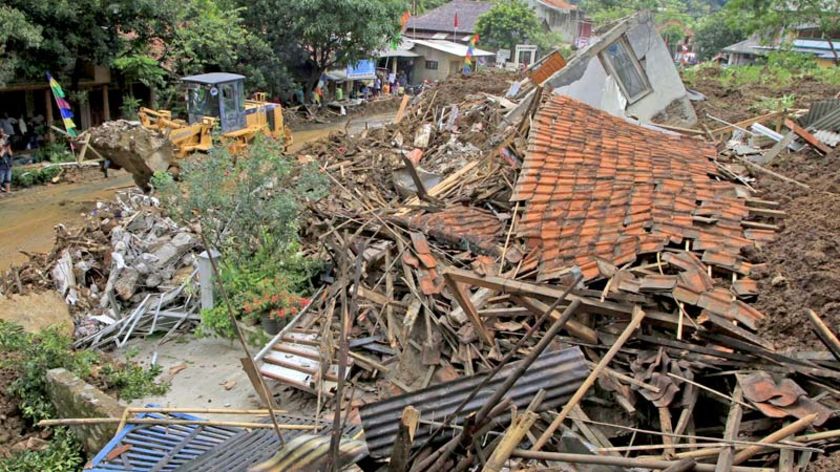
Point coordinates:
[[803, 268], [128, 145], [734, 103]]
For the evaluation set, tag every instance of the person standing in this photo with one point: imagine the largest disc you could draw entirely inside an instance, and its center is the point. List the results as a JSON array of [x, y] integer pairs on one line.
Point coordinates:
[[5, 162]]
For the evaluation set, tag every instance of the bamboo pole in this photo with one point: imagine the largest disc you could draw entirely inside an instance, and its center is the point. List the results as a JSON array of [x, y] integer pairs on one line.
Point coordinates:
[[212, 411], [619, 461], [171, 422], [638, 316], [776, 436]]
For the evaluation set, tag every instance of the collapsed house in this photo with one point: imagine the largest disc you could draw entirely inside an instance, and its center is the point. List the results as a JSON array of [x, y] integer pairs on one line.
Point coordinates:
[[627, 71], [570, 288]]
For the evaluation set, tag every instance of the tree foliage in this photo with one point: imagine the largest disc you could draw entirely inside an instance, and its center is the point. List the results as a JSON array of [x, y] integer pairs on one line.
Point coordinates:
[[323, 34], [716, 32], [508, 23]]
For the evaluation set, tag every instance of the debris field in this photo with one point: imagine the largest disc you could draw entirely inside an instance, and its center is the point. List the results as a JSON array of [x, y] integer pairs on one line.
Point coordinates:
[[561, 292]]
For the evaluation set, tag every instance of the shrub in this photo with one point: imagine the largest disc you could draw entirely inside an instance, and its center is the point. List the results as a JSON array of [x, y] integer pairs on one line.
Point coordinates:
[[32, 355], [248, 208]]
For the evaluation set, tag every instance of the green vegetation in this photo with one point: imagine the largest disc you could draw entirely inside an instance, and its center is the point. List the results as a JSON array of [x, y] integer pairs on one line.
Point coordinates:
[[30, 356], [779, 71], [248, 209], [63, 454], [23, 177], [508, 23]]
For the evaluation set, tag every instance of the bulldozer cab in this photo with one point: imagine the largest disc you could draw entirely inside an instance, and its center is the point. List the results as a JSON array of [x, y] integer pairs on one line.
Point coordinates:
[[218, 95]]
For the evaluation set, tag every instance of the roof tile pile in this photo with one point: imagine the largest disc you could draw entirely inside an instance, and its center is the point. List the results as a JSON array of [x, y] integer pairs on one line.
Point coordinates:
[[599, 188]]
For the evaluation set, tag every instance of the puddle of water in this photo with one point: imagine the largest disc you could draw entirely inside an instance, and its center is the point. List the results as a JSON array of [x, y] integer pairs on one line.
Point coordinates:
[[27, 218]]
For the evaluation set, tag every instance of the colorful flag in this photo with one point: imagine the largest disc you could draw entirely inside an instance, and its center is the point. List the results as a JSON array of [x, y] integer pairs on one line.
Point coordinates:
[[456, 20], [63, 106], [468, 60], [404, 19]]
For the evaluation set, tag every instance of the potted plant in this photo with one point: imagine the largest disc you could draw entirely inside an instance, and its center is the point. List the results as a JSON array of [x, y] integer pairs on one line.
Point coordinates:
[[275, 310]]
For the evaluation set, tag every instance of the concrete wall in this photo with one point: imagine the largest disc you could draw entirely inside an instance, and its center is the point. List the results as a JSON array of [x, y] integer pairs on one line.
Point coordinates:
[[586, 77], [74, 398], [565, 23], [443, 59]]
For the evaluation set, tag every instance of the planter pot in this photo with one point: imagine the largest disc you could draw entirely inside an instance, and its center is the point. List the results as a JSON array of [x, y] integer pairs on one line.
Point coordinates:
[[270, 325]]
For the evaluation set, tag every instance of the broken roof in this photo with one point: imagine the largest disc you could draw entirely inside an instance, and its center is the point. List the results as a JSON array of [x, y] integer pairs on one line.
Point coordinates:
[[601, 190], [559, 5], [442, 18]]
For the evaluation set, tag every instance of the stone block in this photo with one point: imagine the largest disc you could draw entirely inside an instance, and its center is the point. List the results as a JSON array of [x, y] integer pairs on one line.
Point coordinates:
[[75, 398]]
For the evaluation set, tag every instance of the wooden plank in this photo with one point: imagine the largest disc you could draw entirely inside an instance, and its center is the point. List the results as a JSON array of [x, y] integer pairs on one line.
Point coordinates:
[[404, 440], [825, 334], [401, 111], [513, 436], [575, 328], [733, 423], [747, 122], [774, 437], [638, 316], [777, 148], [808, 137], [462, 297]]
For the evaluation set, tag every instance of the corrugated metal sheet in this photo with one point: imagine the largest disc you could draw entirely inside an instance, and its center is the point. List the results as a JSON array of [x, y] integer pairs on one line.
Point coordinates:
[[823, 115], [560, 373], [158, 447], [249, 448]]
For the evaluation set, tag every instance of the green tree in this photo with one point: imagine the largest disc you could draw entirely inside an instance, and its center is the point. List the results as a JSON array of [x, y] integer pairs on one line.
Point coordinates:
[[318, 35], [508, 23], [16, 33], [774, 19], [716, 32]]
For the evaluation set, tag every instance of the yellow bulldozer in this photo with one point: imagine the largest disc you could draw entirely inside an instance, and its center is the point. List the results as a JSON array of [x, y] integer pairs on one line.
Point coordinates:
[[218, 99], [159, 142]]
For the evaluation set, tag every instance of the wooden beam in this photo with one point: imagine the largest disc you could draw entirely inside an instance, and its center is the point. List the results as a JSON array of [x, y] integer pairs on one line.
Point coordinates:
[[513, 436], [825, 334], [404, 440], [808, 137], [638, 316], [462, 297], [575, 328], [733, 423], [747, 122], [776, 436]]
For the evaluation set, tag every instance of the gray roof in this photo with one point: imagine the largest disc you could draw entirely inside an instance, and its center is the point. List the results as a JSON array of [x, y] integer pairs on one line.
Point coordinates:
[[213, 78], [442, 18], [749, 46]]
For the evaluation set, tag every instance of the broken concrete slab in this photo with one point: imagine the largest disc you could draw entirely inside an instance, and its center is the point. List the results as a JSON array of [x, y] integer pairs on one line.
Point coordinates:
[[36, 311], [75, 398]]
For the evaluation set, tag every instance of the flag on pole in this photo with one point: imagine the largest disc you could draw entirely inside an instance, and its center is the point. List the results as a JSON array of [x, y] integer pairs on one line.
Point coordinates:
[[456, 20], [63, 106]]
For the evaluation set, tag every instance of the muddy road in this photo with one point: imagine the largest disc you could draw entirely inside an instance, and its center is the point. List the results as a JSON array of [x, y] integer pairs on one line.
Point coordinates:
[[28, 216]]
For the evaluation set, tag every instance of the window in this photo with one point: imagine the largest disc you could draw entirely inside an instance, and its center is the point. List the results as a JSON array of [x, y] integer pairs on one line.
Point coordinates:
[[622, 64], [432, 65]]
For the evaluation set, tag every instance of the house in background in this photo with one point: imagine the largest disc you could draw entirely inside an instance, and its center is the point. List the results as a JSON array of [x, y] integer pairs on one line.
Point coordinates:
[[805, 38], [430, 59], [627, 71], [753, 49], [454, 21], [563, 17]]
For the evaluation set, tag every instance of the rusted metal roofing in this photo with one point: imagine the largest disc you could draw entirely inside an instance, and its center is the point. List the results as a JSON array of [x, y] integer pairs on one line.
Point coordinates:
[[602, 190], [560, 373]]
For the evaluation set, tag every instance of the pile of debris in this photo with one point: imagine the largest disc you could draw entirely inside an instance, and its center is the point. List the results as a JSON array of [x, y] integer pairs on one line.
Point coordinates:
[[602, 269], [124, 270]]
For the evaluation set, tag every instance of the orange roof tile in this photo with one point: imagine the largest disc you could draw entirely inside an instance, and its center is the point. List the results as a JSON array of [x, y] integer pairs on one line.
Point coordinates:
[[591, 179]]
